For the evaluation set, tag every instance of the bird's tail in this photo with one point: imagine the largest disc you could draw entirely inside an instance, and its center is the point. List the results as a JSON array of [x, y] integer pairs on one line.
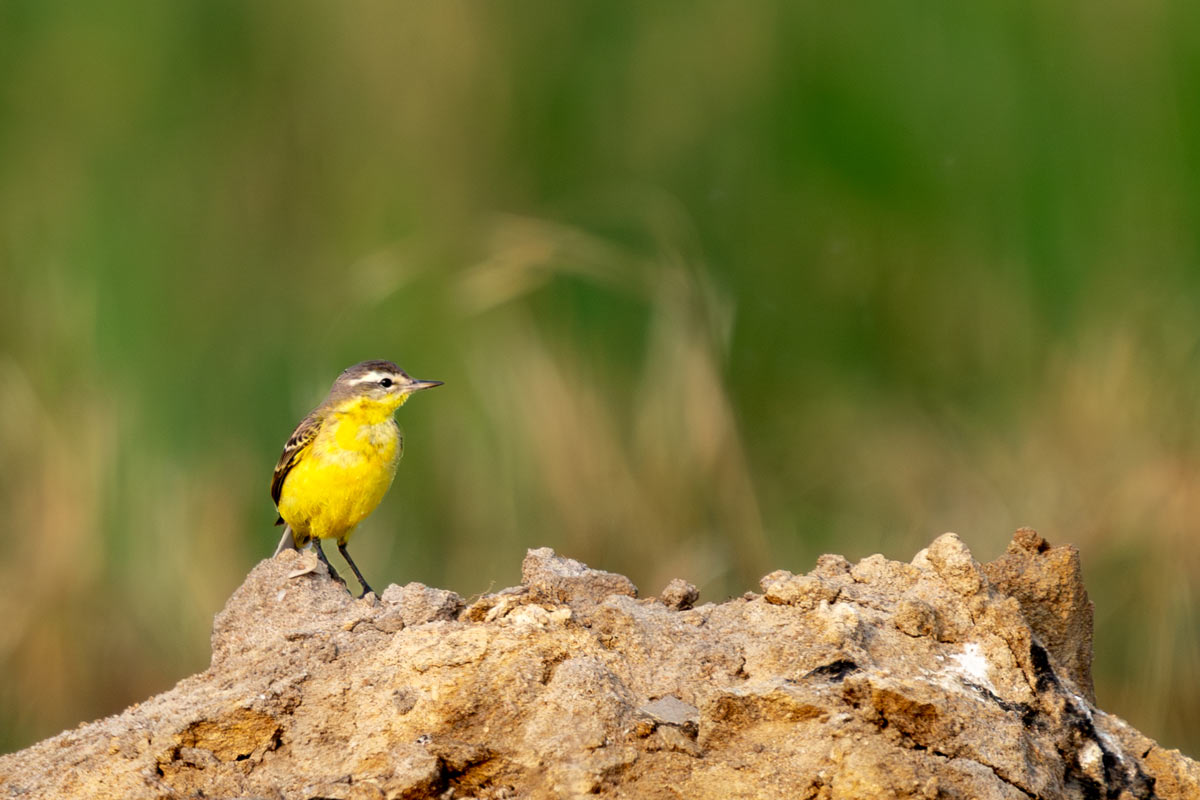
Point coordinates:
[[286, 542]]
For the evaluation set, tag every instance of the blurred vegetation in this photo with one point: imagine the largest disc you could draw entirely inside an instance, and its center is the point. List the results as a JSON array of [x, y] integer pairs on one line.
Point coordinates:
[[714, 288]]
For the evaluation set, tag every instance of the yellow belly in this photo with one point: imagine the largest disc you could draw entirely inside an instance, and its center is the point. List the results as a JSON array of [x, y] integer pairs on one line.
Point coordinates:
[[341, 480]]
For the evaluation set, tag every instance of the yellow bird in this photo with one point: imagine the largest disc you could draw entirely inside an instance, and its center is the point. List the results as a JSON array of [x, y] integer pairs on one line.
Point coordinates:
[[339, 462]]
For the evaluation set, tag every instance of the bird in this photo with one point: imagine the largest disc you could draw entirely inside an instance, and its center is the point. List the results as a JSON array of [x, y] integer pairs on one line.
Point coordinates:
[[340, 460]]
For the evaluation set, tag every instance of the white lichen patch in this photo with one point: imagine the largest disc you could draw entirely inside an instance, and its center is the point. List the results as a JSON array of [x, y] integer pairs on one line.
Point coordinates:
[[972, 666], [1091, 757]]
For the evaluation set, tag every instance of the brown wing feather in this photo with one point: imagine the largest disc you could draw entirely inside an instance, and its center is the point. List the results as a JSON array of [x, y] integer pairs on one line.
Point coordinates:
[[293, 451]]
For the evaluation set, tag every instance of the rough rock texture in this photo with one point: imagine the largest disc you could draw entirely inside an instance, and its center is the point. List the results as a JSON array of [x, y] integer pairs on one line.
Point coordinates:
[[937, 679], [1048, 583]]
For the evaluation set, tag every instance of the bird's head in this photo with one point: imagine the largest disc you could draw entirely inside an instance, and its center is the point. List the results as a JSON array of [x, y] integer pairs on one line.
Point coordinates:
[[379, 384]]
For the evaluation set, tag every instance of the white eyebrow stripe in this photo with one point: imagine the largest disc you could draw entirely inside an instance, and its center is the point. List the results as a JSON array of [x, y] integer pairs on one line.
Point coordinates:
[[373, 376]]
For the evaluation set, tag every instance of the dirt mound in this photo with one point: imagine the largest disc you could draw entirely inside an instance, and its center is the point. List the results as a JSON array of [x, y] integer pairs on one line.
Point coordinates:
[[935, 678]]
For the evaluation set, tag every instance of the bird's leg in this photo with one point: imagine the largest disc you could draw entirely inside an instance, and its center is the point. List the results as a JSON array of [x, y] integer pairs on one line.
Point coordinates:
[[332, 572], [366, 589]]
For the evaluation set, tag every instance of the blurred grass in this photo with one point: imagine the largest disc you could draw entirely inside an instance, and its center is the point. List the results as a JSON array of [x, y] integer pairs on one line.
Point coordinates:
[[713, 291]]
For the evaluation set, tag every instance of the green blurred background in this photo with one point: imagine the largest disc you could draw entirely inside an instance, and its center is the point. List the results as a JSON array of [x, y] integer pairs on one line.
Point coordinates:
[[714, 288]]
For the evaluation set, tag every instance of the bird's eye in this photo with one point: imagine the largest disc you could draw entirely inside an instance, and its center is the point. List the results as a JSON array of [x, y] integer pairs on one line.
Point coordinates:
[[386, 382]]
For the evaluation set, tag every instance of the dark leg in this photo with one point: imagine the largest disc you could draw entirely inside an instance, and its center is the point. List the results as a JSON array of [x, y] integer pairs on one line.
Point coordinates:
[[332, 572], [366, 589]]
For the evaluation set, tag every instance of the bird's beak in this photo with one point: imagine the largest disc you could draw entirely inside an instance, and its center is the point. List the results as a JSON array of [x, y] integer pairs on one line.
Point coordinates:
[[417, 386]]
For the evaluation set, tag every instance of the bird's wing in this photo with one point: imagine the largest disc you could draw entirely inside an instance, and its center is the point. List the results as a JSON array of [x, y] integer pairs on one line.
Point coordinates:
[[295, 449]]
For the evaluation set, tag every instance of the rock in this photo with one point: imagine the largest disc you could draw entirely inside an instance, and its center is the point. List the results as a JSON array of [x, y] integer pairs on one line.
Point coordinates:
[[670, 710], [489, 607], [916, 617], [679, 595], [1048, 584], [807, 591], [565, 580], [940, 678], [952, 562], [416, 604]]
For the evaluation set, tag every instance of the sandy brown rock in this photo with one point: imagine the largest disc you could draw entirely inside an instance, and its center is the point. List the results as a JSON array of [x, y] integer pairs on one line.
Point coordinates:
[[679, 595], [1048, 583], [565, 580], [874, 680]]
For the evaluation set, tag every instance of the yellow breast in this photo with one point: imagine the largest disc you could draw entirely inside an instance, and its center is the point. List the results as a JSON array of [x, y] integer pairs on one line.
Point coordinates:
[[348, 469]]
